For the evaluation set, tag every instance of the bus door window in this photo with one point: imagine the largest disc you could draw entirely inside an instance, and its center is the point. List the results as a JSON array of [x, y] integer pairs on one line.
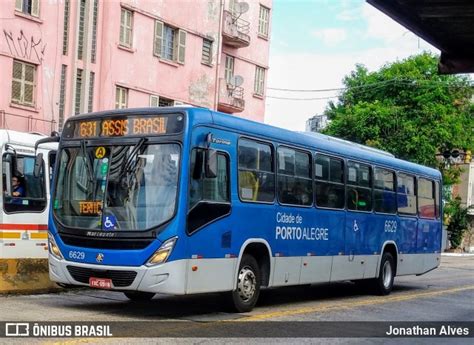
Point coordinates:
[[22, 191], [256, 175], [329, 185], [203, 188], [385, 200], [209, 198], [295, 186], [359, 187]]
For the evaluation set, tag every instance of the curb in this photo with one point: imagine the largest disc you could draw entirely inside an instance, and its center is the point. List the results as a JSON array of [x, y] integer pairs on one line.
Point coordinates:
[[25, 276]]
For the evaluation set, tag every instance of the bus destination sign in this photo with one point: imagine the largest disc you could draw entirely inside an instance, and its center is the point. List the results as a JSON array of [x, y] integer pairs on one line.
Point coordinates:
[[123, 126]]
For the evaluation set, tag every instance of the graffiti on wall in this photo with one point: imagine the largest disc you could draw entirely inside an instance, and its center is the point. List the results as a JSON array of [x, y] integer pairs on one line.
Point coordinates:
[[22, 47]]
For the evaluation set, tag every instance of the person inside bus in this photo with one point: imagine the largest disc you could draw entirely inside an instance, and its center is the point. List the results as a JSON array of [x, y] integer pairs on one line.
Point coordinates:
[[18, 190]]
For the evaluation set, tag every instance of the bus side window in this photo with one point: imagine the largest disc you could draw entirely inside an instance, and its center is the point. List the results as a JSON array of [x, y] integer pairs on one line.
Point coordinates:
[[385, 200], [32, 196], [406, 196], [256, 175], [329, 184], [294, 177], [426, 198], [359, 187]]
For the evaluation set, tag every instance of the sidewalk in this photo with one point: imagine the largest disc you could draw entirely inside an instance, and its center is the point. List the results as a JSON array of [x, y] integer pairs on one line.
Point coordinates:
[[457, 254]]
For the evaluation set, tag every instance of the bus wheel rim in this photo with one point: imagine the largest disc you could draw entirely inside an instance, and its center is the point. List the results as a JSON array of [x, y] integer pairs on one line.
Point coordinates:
[[247, 283], [387, 274]]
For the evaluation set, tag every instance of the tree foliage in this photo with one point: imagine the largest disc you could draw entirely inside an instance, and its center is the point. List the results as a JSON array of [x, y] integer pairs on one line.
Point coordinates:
[[405, 108], [457, 219]]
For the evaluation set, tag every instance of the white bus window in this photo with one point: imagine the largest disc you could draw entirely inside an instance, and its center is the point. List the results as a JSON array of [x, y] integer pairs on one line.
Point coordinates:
[[22, 191]]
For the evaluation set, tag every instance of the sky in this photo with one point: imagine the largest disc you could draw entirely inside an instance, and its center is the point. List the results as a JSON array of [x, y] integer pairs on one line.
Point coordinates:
[[315, 43]]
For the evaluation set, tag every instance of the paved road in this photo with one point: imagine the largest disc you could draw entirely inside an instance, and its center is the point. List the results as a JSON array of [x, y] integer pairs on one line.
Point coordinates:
[[446, 294]]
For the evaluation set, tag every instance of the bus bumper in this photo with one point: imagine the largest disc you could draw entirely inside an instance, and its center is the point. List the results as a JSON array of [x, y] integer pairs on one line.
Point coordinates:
[[167, 278]]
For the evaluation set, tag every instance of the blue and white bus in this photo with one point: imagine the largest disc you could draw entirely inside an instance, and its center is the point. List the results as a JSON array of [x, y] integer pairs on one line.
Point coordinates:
[[187, 200]]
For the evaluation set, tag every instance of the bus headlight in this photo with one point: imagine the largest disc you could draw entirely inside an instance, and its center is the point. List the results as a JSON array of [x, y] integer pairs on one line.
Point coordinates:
[[162, 253], [53, 247]]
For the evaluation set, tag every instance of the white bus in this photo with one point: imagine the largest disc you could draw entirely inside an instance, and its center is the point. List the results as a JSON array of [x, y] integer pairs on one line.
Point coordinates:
[[24, 209]]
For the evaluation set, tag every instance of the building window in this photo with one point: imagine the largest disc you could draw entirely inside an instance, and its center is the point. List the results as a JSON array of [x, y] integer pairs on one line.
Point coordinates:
[[233, 7], [121, 98], [256, 174], [30, 7], [263, 20], [94, 32], [165, 102], [80, 40], [229, 68], [23, 83], [169, 42], [295, 183], [259, 86], [78, 98], [66, 27], [206, 51], [90, 105], [62, 96], [126, 26], [329, 184], [154, 101]]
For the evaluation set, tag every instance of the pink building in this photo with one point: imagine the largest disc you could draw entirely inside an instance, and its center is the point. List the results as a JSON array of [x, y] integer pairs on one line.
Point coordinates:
[[64, 57]]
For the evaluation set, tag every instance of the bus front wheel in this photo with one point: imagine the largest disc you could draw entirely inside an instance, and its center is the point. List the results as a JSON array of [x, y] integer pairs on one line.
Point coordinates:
[[139, 295], [384, 283], [246, 293]]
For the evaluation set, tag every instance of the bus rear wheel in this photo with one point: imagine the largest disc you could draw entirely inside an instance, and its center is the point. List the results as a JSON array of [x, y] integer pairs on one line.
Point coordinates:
[[138, 296], [384, 283], [246, 293]]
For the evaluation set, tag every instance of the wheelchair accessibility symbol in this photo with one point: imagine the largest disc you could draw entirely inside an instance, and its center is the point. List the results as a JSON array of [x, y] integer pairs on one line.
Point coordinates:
[[356, 227], [110, 223]]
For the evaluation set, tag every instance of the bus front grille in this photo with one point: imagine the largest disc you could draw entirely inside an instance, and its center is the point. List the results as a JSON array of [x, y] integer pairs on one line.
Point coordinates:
[[119, 278]]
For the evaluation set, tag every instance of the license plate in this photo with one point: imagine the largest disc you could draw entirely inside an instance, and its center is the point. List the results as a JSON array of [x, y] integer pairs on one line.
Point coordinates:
[[100, 283]]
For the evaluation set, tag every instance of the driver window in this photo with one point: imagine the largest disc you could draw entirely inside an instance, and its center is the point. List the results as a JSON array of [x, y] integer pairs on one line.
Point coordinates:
[[209, 189], [22, 191]]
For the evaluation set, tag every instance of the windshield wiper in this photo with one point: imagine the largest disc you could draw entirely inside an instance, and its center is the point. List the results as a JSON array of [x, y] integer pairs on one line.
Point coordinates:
[[86, 161], [127, 167]]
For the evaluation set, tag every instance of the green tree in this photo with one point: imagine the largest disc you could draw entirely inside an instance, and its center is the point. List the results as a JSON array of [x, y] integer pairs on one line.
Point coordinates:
[[406, 108], [458, 222]]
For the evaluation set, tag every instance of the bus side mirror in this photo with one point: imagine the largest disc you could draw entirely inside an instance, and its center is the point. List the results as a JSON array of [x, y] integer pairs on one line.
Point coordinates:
[[38, 165], [210, 166]]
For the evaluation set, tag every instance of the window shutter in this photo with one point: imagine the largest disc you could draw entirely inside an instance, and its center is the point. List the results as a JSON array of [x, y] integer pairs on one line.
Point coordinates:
[[35, 8], [122, 27], [181, 46], [157, 46], [154, 101], [19, 5]]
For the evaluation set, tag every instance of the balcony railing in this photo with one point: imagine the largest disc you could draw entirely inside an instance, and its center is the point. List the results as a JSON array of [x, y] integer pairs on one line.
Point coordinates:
[[235, 31], [231, 98]]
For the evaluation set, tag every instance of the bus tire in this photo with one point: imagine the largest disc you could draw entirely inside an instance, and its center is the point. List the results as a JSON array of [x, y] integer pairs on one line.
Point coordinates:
[[245, 295], [138, 296], [384, 283]]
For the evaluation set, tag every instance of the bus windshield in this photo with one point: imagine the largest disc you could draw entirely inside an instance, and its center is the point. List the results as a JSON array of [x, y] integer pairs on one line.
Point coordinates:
[[117, 188]]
